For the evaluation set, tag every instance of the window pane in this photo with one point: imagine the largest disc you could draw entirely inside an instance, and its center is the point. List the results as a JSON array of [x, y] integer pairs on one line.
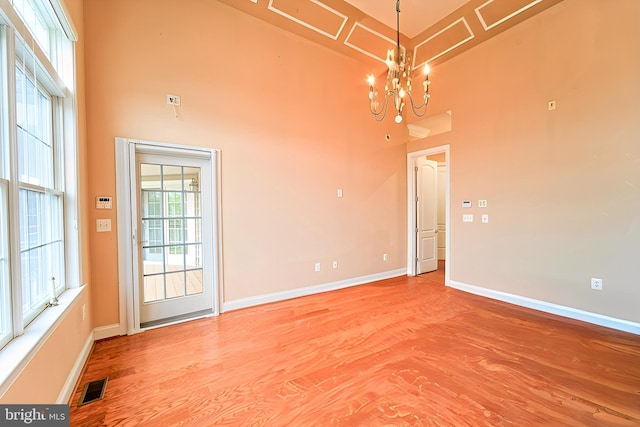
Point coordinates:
[[172, 178], [175, 285], [41, 249], [5, 301], [150, 178], [174, 204], [151, 204], [35, 119], [194, 282]]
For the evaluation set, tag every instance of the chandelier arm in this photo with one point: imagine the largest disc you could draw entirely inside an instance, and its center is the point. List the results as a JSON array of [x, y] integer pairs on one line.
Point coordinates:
[[416, 109], [380, 115]]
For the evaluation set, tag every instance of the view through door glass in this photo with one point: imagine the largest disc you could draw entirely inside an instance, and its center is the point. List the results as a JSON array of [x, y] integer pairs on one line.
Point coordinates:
[[171, 216]]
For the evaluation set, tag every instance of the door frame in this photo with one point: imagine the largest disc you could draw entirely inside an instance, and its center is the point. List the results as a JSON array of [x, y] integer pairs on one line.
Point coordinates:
[[129, 310], [411, 209]]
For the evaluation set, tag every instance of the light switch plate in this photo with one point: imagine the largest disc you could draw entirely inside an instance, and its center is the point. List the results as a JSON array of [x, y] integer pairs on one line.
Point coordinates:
[[467, 218]]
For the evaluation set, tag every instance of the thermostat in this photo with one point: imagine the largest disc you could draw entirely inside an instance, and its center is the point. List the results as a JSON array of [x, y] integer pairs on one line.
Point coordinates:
[[104, 202]]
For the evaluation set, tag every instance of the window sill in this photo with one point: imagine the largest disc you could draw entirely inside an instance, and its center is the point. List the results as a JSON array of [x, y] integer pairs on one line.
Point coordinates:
[[21, 350]]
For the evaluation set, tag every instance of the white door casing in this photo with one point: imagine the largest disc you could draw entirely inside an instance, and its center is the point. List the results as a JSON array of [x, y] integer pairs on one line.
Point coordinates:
[[426, 215], [128, 226], [411, 209], [442, 213]]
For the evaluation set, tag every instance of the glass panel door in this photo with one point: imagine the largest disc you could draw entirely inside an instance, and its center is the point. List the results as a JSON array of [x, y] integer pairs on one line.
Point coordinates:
[[172, 208]]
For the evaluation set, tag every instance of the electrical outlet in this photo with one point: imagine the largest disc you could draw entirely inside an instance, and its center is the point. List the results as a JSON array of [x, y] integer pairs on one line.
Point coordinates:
[[552, 105], [596, 284], [317, 267], [103, 225], [485, 218], [385, 257], [335, 264], [173, 100]]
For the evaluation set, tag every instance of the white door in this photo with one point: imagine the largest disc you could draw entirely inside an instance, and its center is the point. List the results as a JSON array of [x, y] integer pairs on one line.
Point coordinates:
[[174, 246], [426, 215]]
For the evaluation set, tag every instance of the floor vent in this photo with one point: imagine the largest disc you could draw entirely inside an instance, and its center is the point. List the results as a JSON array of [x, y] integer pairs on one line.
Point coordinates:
[[93, 390]]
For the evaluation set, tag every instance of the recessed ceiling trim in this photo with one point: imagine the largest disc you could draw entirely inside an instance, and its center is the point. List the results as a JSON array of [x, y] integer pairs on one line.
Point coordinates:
[[506, 18], [344, 18], [463, 41], [362, 50]]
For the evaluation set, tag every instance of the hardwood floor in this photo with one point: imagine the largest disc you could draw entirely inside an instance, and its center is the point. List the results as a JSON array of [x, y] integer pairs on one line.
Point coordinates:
[[400, 352]]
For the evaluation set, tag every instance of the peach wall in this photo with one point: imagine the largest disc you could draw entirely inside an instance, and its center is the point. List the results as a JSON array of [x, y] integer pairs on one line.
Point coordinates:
[[291, 120], [563, 186], [45, 376]]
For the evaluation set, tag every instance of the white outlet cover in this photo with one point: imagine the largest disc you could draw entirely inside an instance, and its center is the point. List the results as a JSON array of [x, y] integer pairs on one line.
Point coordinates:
[[103, 225], [467, 218], [596, 284]]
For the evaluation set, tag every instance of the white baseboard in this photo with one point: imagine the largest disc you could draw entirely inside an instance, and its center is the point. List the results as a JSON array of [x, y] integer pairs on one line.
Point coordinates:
[[309, 290], [547, 307], [69, 386], [107, 331]]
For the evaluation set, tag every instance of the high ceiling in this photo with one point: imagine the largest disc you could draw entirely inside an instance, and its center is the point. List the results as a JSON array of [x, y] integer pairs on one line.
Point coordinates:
[[415, 15], [435, 30]]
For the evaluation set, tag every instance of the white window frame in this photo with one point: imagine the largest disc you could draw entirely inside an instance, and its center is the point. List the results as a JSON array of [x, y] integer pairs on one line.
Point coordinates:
[[28, 339]]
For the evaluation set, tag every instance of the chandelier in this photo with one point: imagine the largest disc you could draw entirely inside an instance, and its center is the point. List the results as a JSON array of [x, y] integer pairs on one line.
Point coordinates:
[[398, 85]]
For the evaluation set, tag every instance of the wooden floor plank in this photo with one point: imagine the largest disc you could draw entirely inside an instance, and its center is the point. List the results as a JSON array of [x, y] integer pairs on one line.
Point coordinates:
[[404, 352]]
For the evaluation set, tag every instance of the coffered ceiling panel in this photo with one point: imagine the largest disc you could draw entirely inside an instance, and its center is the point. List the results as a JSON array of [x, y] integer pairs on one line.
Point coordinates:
[[495, 12], [312, 14], [415, 15], [365, 29], [369, 42], [442, 42]]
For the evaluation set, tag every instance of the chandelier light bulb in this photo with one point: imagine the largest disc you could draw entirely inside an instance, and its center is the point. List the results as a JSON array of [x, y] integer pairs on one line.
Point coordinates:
[[399, 118], [371, 79], [427, 69]]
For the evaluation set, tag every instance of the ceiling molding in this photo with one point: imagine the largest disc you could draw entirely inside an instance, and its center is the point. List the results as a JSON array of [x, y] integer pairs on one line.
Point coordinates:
[[312, 14], [442, 42], [496, 14], [368, 40]]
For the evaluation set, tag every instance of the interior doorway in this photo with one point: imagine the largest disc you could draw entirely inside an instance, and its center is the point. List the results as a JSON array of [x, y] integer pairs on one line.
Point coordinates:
[[441, 156]]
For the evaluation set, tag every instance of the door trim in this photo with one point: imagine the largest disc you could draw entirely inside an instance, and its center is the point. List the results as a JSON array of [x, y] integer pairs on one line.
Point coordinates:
[[411, 209], [129, 311]]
